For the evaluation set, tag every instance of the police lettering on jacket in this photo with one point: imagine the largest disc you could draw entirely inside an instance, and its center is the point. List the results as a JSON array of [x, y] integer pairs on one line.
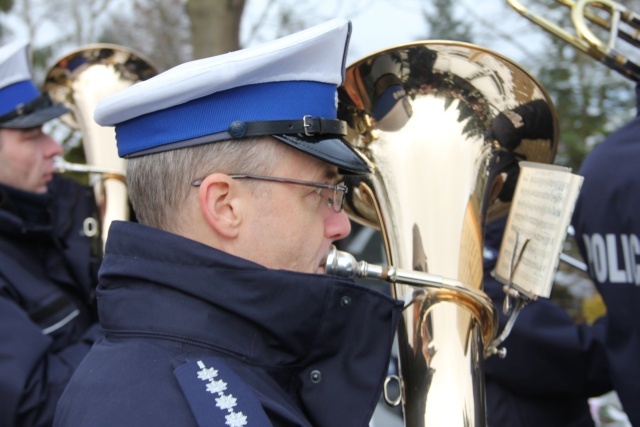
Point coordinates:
[[613, 258]]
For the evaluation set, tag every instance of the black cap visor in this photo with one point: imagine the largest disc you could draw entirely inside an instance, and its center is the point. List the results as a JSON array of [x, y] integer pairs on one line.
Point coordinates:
[[331, 149], [33, 114]]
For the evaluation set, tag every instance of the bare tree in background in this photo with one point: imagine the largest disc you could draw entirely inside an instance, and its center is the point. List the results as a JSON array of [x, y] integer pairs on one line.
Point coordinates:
[[33, 17], [79, 18], [270, 19], [5, 6], [443, 24], [159, 29], [74, 23], [170, 32], [215, 26]]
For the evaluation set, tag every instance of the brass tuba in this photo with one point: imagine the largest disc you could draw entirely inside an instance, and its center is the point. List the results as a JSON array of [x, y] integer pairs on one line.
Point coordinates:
[[445, 125], [79, 80]]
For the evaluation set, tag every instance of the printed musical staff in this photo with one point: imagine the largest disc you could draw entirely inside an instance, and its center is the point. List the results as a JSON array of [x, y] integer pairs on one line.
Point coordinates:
[[540, 214]]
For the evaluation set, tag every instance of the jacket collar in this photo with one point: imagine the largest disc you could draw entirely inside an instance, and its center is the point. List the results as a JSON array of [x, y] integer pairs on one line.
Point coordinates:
[[265, 312]]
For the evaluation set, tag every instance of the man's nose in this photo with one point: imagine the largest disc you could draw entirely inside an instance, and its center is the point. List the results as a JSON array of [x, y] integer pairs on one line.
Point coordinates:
[[52, 148], [337, 226]]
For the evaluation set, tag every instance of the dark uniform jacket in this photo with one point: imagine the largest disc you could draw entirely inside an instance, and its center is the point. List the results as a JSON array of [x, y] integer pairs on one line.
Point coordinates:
[[607, 226], [47, 279], [195, 336], [552, 367]]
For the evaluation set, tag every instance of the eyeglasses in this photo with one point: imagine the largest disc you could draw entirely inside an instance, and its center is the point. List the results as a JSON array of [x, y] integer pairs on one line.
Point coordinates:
[[335, 198]]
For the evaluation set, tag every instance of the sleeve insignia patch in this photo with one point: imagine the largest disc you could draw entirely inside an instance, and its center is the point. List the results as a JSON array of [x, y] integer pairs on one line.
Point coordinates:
[[217, 396]]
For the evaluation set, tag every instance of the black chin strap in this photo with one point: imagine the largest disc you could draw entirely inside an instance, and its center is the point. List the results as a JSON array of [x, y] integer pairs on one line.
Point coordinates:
[[27, 108], [308, 126]]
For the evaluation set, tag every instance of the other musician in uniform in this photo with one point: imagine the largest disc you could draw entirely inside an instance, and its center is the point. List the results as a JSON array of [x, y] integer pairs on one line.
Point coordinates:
[[607, 227], [215, 306], [553, 365], [48, 265]]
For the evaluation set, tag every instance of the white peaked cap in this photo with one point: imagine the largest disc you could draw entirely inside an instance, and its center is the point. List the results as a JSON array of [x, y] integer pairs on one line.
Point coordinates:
[[14, 63], [309, 55], [21, 105], [286, 89]]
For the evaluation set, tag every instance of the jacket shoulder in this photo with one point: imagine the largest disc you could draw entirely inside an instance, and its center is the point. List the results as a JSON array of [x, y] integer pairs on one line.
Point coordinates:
[[218, 396]]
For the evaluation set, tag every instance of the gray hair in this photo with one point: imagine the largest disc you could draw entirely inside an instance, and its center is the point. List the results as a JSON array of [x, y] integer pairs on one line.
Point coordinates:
[[159, 184]]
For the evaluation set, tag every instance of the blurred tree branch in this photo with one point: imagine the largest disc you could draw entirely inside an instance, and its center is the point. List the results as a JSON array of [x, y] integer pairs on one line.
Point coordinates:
[[215, 26]]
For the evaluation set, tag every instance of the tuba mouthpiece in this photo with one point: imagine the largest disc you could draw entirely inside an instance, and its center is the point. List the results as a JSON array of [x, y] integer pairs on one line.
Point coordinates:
[[341, 264]]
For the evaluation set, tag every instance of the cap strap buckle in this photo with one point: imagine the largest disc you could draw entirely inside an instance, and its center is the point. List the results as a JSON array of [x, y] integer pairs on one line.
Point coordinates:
[[306, 125], [27, 108]]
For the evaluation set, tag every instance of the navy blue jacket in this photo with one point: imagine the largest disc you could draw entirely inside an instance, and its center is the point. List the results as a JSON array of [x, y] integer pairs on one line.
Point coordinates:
[[552, 365], [47, 307], [186, 325], [607, 226]]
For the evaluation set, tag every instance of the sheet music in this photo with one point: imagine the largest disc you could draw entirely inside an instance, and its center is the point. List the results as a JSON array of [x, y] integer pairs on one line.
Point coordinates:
[[540, 214]]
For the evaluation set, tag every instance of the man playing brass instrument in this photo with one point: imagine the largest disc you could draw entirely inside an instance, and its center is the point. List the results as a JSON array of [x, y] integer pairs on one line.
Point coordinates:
[[47, 264], [215, 308]]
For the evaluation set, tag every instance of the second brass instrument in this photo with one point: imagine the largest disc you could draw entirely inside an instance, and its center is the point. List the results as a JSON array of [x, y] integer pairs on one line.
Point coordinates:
[[80, 80], [586, 41]]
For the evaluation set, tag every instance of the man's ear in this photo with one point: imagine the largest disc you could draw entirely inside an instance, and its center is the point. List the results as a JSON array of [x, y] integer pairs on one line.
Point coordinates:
[[219, 201]]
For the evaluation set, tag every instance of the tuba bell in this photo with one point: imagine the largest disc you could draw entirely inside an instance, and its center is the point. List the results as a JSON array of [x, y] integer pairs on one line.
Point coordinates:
[[445, 125], [79, 81]]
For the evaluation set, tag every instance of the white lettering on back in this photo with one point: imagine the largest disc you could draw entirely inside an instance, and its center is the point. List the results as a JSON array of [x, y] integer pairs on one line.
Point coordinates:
[[613, 258]]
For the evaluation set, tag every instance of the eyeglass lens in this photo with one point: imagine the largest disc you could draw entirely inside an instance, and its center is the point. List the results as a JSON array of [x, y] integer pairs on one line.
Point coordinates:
[[337, 201]]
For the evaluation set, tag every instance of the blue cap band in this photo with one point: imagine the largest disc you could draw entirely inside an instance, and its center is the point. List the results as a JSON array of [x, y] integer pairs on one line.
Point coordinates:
[[214, 113], [16, 94]]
